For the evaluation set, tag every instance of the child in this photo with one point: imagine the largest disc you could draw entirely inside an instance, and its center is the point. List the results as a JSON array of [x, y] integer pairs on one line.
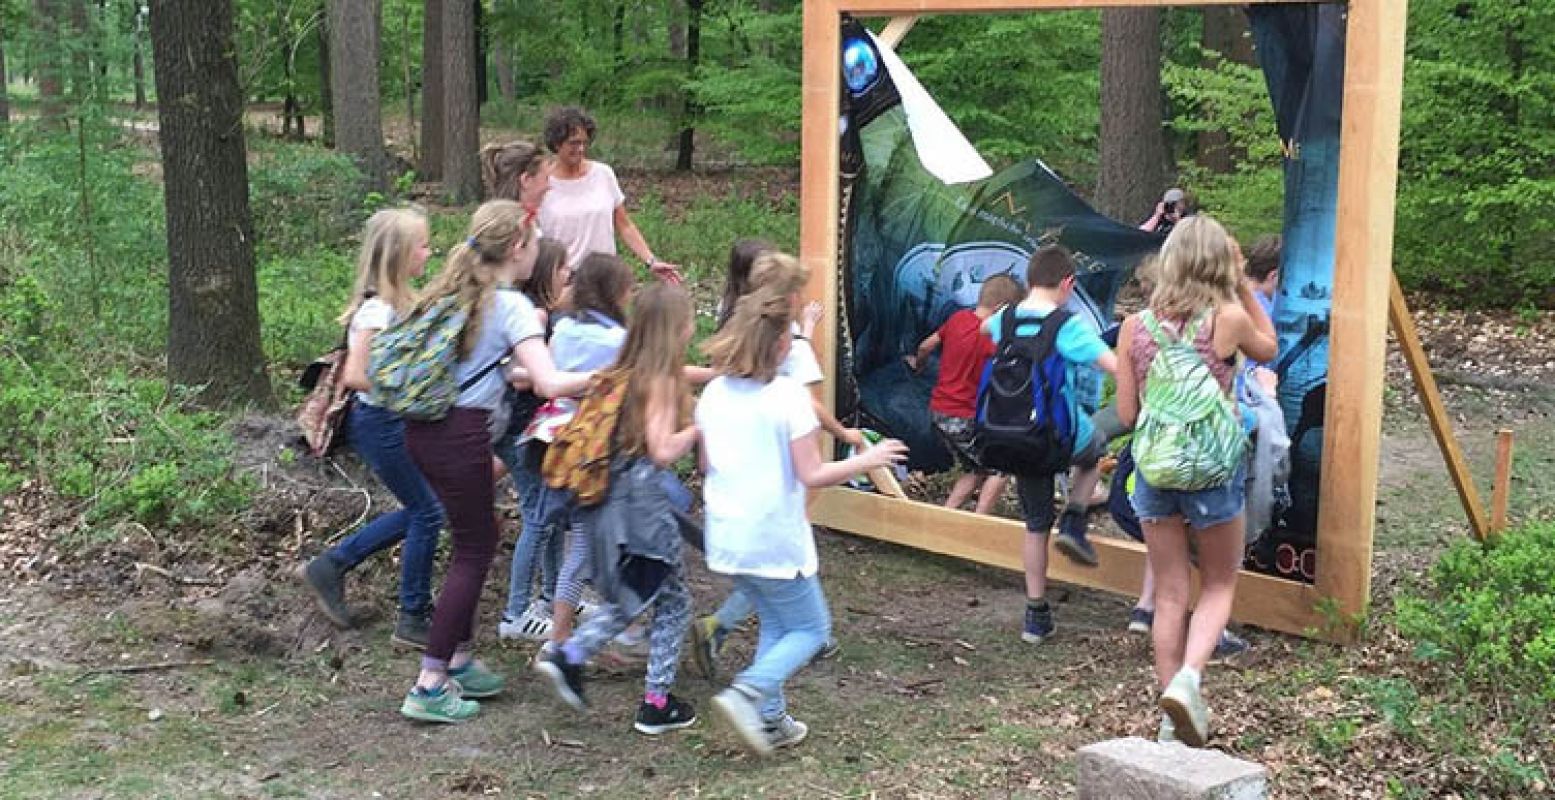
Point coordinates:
[[761, 450], [1200, 299], [454, 453], [549, 287], [394, 250], [953, 403], [588, 337], [1263, 270], [1050, 278], [756, 264], [650, 436]]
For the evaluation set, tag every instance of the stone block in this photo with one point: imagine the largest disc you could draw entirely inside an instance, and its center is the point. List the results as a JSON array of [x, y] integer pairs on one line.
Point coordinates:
[[1136, 769]]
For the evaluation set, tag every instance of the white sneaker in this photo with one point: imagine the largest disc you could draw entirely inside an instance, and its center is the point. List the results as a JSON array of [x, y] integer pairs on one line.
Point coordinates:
[[737, 708], [534, 624], [1184, 706]]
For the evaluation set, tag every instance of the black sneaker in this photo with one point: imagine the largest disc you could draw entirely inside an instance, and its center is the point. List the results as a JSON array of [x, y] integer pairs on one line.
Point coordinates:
[[675, 714], [1039, 624], [1071, 538], [412, 629], [565, 678], [327, 580]]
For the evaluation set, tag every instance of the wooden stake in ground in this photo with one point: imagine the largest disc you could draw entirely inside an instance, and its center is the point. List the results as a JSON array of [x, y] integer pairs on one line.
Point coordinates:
[[1501, 489]]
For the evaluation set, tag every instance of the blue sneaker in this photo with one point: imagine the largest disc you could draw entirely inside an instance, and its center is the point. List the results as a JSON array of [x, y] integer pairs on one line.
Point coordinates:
[[1071, 538], [1229, 648], [1039, 624], [1140, 620]]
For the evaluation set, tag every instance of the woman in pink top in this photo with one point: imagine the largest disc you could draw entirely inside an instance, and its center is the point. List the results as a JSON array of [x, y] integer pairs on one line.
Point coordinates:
[[586, 208]]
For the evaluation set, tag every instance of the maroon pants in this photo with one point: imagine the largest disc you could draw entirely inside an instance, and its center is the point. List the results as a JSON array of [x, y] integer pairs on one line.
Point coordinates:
[[454, 454]]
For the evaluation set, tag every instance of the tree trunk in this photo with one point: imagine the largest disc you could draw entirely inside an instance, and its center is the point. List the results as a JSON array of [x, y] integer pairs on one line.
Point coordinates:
[[1133, 147], [49, 67], [5, 95], [693, 57], [80, 60], [505, 83], [481, 50], [1225, 32], [461, 121], [138, 61], [410, 86], [354, 27], [213, 298], [432, 91], [326, 92]]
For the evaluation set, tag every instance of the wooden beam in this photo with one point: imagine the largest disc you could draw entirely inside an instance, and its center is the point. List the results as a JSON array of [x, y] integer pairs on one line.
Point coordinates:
[[899, 8], [896, 30], [1436, 412], [1501, 489], [1262, 600], [821, 94]]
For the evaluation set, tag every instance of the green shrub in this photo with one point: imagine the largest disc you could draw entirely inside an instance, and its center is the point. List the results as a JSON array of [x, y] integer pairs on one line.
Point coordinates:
[[302, 197], [1490, 610]]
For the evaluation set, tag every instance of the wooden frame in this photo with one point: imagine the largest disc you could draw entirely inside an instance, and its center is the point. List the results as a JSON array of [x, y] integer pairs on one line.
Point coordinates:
[[1368, 161]]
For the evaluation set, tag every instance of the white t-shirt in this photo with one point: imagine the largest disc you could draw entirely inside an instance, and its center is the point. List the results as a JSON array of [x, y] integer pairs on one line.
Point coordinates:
[[580, 212], [756, 522], [372, 315], [509, 318], [801, 363]]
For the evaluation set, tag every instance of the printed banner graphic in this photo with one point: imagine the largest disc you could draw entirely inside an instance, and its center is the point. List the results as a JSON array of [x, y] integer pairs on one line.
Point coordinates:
[[917, 244]]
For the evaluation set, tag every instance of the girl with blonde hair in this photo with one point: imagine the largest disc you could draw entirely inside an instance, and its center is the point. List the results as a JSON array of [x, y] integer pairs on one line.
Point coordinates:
[[652, 433], [394, 251], [455, 452], [1200, 298], [760, 452]]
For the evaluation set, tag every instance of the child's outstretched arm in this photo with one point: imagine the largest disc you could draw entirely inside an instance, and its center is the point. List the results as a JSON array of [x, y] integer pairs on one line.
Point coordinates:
[[816, 473], [666, 444], [925, 347]]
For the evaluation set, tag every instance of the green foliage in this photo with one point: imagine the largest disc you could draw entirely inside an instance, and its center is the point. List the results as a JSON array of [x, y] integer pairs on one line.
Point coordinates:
[[302, 197], [1490, 611]]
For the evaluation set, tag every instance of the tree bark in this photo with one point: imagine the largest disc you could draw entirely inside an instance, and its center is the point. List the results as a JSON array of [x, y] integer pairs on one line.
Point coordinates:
[[326, 92], [49, 66], [138, 60], [481, 51], [505, 83], [461, 113], [693, 56], [354, 32], [432, 91], [80, 59], [1225, 32], [1133, 147], [213, 298]]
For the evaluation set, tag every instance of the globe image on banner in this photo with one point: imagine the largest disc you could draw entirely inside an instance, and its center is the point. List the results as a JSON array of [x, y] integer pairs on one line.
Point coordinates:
[[860, 65]]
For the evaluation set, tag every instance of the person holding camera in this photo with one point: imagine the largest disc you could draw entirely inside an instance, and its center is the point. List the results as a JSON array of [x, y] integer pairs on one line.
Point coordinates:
[[1172, 208]]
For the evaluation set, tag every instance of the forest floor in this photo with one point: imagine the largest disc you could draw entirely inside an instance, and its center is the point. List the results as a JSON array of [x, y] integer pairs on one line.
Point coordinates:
[[128, 669]]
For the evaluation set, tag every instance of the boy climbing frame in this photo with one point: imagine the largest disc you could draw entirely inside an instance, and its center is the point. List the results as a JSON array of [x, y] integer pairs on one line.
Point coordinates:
[[1331, 609]]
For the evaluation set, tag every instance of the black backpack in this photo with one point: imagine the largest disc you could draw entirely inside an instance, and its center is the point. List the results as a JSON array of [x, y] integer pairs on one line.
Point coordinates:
[[1023, 424]]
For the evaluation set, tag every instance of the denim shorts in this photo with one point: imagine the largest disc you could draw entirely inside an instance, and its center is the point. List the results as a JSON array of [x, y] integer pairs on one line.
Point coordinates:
[[1202, 509]]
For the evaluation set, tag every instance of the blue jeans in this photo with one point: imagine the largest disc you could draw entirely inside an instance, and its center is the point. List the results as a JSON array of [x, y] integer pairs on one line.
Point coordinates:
[[736, 609], [795, 624], [536, 541], [379, 438]]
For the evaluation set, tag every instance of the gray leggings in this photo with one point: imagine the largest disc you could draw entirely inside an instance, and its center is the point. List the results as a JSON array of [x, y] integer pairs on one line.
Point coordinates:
[[671, 620], [569, 584]]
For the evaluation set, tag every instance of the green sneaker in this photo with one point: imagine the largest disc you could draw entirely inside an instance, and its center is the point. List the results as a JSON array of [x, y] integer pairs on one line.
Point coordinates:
[[439, 705], [474, 680], [1185, 707], [706, 641]]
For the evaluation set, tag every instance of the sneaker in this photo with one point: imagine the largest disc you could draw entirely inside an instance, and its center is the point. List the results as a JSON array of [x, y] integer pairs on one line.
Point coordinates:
[[1184, 704], [1140, 620], [565, 678], [1167, 734], [1071, 538], [675, 714], [474, 680], [707, 639], [631, 645], [785, 731], [440, 705], [327, 580], [737, 708], [1039, 624], [828, 651], [1229, 648], [412, 630], [534, 624]]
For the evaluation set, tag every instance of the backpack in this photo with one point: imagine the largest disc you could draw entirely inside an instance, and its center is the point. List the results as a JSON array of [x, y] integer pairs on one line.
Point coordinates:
[[1023, 422], [578, 460], [411, 363], [1189, 436], [323, 412]]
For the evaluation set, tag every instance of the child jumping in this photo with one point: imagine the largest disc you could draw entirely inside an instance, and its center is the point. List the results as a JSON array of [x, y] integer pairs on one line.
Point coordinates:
[[1050, 278], [650, 436], [964, 351], [760, 451]]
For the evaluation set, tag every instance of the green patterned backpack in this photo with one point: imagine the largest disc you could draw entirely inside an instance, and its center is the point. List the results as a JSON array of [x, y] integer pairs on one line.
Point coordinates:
[[1189, 435], [411, 363]]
